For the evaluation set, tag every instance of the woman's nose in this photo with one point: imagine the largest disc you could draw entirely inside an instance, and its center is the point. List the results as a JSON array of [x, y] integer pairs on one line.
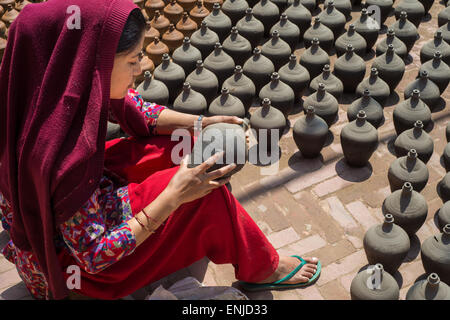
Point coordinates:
[[137, 70]]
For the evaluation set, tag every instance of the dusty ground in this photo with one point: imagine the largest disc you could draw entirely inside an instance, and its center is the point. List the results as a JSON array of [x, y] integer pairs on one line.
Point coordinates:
[[318, 207]]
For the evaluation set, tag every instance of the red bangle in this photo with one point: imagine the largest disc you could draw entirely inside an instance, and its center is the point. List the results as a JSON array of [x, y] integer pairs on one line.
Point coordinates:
[[142, 225], [150, 218]]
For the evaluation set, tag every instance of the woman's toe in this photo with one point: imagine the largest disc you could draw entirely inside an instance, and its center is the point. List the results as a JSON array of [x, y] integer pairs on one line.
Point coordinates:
[[311, 260]]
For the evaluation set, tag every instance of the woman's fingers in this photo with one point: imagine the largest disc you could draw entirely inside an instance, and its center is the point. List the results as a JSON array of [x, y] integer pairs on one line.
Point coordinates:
[[213, 175], [219, 183], [208, 163]]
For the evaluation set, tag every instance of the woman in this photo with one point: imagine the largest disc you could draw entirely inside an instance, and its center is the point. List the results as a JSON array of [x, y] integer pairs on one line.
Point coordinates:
[[121, 211]]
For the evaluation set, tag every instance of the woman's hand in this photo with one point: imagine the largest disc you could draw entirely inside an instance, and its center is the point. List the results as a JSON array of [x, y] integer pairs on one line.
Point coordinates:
[[227, 119], [189, 184]]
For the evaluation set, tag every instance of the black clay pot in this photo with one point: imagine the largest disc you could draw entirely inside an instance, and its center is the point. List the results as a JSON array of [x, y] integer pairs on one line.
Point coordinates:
[[385, 8], [384, 288], [435, 254], [413, 8], [235, 9], [359, 140], [226, 105], [378, 88], [407, 112], [429, 91], [352, 37], [391, 67], [350, 69], [368, 28], [438, 71], [322, 33], [415, 138], [443, 188], [447, 132], [295, 76], [314, 59], [408, 169], [444, 15], [431, 288], [443, 215], [344, 7], [325, 105], [446, 157], [153, 90], [299, 15], [399, 47], [406, 31], [237, 47], [280, 94], [219, 22], [113, 131], [431, 47], [251, 28], [277, 50], [259, 69], [445, 29], [190, 101], [333, 19], [241, 87], [408, 207], [172, 75], [204, 81], [386, 243], [220, 63], [204, 39], [332, 83], [186, 56], [371, 107], [268, 13], [310, 133], [287, 31]]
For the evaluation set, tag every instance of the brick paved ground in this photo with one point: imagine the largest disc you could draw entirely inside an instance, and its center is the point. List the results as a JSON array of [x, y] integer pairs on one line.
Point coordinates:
[[318, 207]]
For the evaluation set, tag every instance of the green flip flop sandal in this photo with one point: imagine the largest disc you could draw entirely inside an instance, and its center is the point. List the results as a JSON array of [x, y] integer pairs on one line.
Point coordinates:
[[278, 284]]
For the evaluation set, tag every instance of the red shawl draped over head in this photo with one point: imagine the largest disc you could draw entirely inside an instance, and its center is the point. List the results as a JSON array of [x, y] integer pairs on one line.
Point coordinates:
[[54, 99]]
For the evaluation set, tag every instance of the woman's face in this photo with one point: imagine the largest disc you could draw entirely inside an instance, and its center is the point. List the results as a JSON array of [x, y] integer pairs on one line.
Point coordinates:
[[126, 68]]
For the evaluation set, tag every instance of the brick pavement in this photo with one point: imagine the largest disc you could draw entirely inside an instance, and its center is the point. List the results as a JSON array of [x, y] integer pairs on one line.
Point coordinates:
[[317, 207]]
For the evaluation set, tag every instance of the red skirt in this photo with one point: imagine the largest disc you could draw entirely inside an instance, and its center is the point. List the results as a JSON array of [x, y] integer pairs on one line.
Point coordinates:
[[215, 226]]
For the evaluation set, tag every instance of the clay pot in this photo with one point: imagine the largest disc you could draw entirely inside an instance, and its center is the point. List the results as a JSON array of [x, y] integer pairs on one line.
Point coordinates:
[[446, 156], [390, 67], [139, 3], [405, 31], [299, 15], [220, 63], [325, 105], [267, 122], [368, 28], [343, 6], [311, 5], [268, 13], [310, 133], [415, 138], [350, 69], [320, 32], [413, 8], [112, 131], [235, 9], [173, 38], [187, 5], [150, 34], [385, 287], [386, 243], [146, 65], [280, 94], [378, 88], [408, 169], [204, 81], [429, 91], [333, 19], [187, 56], [152, 5], [445, 30], [351, 37], [281, 4], [287, 30], [407, 112], [219, 22], [314, 59], [144, 13], [159, 22], [172, 75], [173, 11], [444, 15], [371, 107], [259, 69], [10, 15], [190, 101], [447, 132], [227, 105], [186, 25], [251, 28], [237, 47], [153, 91], [277, 50], [198, 13], [241, 87], [399, 46], [359, 140], [431, 47], [156, 50], [385, 8], [408, 207], [443, 215], [435, 254], [220, 137], [430, 289], [443, 188], [295, 76], [332, 83], [204, 40], [20, 4], [427, 4], [2, 29], [438, 71], [209, 4]]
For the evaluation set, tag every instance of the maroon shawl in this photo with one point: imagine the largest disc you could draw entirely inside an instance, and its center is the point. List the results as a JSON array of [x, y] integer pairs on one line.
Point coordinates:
[[54, 100]]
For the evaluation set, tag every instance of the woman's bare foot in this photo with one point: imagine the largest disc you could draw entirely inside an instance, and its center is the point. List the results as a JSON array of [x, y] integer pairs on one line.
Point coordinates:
[[287, 265]]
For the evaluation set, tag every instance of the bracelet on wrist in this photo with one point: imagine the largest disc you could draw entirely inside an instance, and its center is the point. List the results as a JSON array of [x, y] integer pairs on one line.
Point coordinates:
[[143, 225], [150, 218]]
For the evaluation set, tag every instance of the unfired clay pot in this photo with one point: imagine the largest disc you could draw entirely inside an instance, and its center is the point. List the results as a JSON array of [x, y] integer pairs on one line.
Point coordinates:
[[385, 288], [350, 69], [259, 69], [321, 32], [408, 169], [407, 112], [295, 75], [413, 8], [226, 105], [237, 47], [204, 81], [390, 66], [280, 94], [443, 215], [431, 288], [172, 75], [429, 91], [431, 47], [204, 39], [325, 105], [219, 22], [153, 91], [314, 59], [187, 56], [190, 101], [332, 83], [443, 188], [435, 254], [371, 107], [220, 63], [378, 88], [406, 31], [241, 87], [352, 37], [438, 71], [399, 47], [415, 138], [251, 28], [268, 13], [277, 50]]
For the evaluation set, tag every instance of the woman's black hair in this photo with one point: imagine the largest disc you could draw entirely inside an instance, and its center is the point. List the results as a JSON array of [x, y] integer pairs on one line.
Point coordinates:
[[132, 32]]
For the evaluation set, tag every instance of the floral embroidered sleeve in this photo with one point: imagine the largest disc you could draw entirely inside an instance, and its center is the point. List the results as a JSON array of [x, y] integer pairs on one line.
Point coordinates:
[[98, 235], [151, 111]]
